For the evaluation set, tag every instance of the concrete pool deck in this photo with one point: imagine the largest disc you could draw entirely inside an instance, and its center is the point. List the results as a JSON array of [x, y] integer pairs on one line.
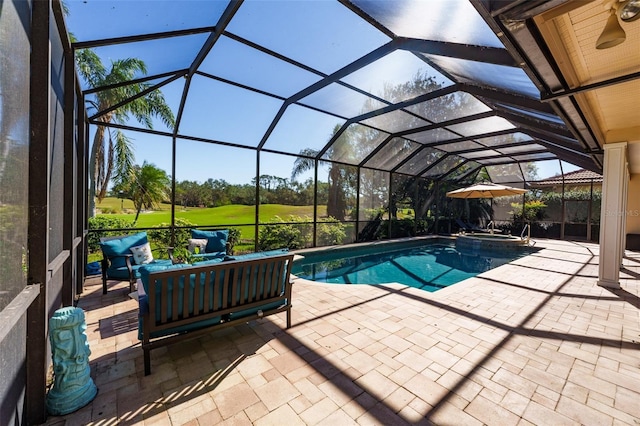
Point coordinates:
[[534, 342]]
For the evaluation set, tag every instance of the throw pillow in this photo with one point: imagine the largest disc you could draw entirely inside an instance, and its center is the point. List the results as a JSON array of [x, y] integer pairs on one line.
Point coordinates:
[[197, 243], [142, 254]]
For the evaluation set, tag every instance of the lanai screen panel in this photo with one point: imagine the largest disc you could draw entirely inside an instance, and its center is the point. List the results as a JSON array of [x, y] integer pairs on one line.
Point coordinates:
[[459, 146], [374, 194], [354, 144], [14, 152], [538, 170], [242, 119], [342, 101], [505, 139], [481, 154], [303, 129], [395, 121], [422, 159], [462, 171], [443, 167], [153, 53], [432, 137], [393, 77], [325, 35], [520, 149], [392, 154], [504, 77], [449, 107], [480, 126], [86, 19], [240, 63], [505, 173], [432, 20]]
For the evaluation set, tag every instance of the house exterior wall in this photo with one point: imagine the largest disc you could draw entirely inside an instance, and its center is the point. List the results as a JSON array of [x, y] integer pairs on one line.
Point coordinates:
[[633, 205]]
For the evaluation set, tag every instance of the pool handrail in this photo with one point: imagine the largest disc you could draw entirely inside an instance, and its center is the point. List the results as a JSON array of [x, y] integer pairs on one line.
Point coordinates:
[[527, 240], [491, 226]]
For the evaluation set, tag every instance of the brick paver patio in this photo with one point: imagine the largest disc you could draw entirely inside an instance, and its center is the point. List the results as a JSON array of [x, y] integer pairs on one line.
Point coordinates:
[[534, 342]]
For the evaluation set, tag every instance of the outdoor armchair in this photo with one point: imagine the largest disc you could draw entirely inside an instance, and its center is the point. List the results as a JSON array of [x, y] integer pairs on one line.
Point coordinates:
[[208, 245], [123, 255]]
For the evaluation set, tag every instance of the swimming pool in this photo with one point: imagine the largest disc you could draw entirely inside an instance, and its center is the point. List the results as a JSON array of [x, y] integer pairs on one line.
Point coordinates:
[[427, 264]]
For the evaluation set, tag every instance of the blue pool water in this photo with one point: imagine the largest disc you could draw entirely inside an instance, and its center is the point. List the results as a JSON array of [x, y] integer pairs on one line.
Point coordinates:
[[428, 266]]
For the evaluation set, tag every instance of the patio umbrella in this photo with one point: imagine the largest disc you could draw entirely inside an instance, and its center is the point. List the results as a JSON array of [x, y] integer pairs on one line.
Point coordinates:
[[485, 190]]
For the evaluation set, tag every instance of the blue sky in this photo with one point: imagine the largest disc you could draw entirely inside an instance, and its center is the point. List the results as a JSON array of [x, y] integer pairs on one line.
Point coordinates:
[[326, 37]]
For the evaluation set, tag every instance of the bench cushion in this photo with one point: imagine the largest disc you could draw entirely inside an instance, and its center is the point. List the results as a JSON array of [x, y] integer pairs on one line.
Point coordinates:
[[257, 255], [123, 273], [216, 257]]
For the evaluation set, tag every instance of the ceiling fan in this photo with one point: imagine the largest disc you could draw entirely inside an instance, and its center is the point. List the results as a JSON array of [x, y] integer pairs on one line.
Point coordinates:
[[619, 10]]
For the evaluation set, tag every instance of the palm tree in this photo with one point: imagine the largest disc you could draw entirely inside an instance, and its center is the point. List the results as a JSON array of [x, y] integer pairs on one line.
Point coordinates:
[[111, 152], [305, 163], [149, 185], [339, 178]]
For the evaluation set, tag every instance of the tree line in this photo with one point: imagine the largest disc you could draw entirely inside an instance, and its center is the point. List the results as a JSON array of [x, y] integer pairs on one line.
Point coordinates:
[[219, 192]]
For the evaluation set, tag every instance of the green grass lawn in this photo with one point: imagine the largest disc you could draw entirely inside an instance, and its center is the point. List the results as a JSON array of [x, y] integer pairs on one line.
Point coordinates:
[[204, 216]]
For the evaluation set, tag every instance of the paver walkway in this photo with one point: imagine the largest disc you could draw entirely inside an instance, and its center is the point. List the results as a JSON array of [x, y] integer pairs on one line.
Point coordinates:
[[532, 342]]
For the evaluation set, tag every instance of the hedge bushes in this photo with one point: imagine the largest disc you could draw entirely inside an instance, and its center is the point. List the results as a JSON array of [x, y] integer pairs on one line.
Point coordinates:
[[162, 237], [159, 236], [104, 222], [296, 232]]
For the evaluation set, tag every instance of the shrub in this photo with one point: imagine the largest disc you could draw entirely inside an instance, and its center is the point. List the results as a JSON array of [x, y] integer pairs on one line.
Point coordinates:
[[405, 227], [372, 214], [297, 232], [234, 238], [574, 194], [162, 237], [534, 210], [330, 232], [182, 255], [272, 237]]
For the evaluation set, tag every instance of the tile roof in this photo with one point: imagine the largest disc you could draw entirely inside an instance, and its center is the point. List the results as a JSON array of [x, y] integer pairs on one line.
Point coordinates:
[[575, 177]]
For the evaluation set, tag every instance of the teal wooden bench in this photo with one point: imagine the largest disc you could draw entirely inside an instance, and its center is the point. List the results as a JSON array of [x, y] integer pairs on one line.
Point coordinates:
[[184, 301]]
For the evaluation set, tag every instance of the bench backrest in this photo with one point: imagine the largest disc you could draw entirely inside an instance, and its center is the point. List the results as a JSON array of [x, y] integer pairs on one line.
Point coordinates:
[[185, 295]]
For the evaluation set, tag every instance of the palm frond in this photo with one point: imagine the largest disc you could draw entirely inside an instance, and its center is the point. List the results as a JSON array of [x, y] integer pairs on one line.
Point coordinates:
[[304, 163], [90, 67], [124, 157]]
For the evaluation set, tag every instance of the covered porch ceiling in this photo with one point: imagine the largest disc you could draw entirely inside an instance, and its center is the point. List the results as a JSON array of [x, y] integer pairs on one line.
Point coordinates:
[[611, 106], [597, 89], [438, 89]]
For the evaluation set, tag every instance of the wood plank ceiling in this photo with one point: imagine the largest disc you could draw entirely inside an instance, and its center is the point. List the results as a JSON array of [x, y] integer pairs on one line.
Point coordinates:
[[612, 111]]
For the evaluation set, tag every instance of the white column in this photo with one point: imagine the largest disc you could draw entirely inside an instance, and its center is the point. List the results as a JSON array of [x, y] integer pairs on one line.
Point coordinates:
[[613, 217], [625, 201]]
